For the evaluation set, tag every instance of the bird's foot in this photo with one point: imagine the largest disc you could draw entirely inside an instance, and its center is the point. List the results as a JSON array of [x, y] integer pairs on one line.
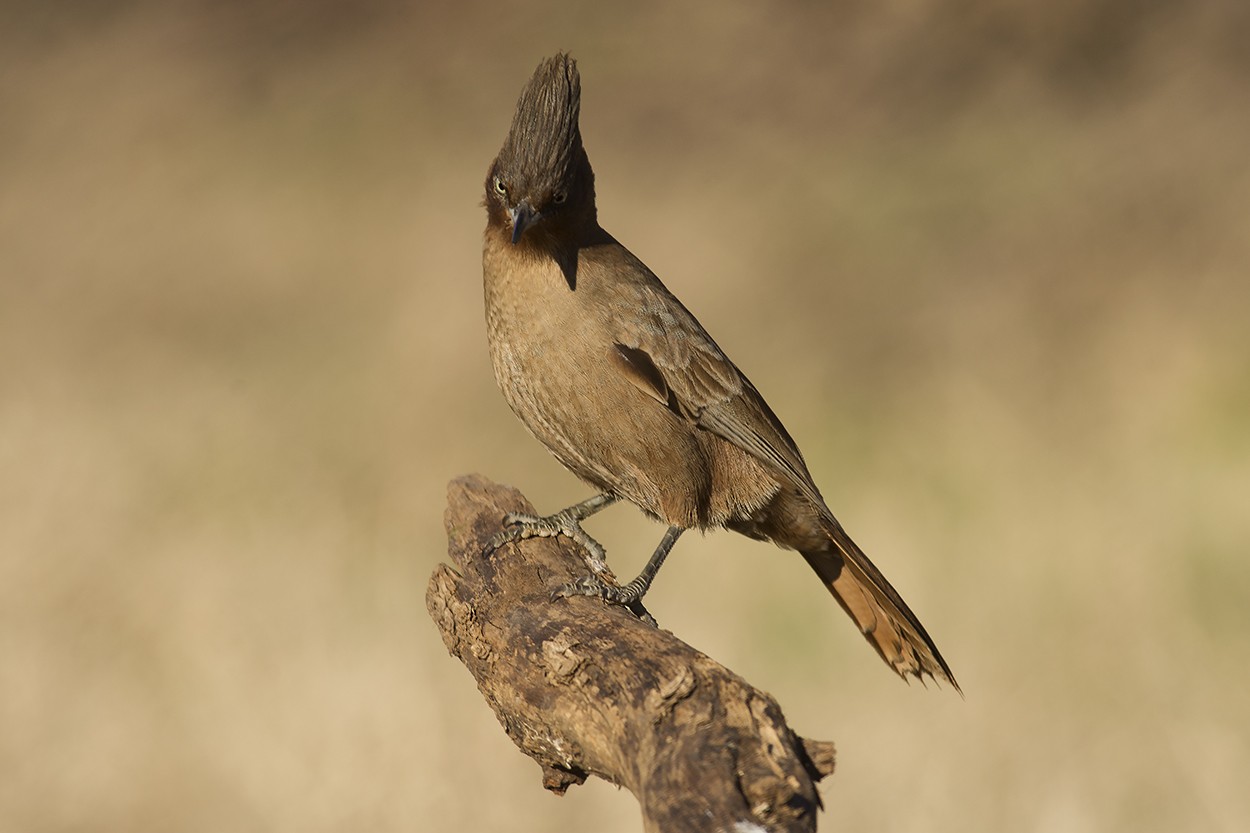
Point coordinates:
[[519, 526], [597, 588], [629, 595]]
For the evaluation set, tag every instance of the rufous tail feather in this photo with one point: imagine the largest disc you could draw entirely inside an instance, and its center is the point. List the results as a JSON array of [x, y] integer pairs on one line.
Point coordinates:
[[876, 607]]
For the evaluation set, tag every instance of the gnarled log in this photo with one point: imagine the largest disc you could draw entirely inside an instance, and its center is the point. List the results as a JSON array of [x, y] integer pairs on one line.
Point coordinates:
[[586, 688]]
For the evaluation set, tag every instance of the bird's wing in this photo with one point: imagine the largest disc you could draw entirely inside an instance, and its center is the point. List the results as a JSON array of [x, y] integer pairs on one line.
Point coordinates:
[[670, 357]]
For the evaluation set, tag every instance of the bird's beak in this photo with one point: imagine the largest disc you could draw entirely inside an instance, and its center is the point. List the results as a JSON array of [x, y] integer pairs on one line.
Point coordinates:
[[523, 216]]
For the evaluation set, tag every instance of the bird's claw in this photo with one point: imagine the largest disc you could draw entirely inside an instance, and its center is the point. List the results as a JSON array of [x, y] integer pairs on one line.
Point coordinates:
[[597, 588], [519, 526], [589, 585]]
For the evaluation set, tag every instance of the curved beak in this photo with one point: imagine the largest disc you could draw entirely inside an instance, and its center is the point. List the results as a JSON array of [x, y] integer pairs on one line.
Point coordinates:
[[523, 216]]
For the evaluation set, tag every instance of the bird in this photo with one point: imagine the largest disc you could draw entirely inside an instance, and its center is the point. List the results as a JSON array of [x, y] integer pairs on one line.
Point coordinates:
[[624, 386]]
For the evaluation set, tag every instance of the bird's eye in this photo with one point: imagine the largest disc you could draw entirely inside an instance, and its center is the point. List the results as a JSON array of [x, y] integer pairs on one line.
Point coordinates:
[[559, 197], [500, 188]]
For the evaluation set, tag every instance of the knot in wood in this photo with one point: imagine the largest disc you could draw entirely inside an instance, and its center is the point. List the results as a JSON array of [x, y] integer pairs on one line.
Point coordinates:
[[560, 658]]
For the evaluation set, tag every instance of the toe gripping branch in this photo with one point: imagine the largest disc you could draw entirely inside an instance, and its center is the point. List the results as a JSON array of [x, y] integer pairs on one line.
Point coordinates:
[[567, 522], [600, 583]]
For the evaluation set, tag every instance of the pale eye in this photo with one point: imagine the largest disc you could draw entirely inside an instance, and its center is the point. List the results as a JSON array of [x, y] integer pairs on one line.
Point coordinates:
[[500, 188], [559, 197]]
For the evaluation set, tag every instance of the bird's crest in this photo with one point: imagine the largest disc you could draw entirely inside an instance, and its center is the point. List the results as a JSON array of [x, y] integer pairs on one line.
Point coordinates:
[[544, 140]]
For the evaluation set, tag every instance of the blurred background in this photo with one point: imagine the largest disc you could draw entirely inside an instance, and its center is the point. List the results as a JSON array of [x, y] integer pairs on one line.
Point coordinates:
[[987, 260]]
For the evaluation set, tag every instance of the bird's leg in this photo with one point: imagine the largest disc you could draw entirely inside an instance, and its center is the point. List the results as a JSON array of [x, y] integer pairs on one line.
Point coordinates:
[[627, 594], [567, 522]]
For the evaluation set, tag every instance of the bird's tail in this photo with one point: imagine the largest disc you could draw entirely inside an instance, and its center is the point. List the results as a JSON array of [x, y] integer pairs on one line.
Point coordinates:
[[881, 614]]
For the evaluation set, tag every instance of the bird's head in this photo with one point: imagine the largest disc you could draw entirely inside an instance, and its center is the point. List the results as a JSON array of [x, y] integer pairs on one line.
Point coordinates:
[[541, 185]]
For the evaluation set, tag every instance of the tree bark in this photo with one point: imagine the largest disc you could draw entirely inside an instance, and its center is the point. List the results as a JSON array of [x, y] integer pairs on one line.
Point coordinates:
[[587, 688]]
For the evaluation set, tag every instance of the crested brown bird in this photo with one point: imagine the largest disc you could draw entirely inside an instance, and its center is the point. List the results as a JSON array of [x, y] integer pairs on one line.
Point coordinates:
[[624, 386]]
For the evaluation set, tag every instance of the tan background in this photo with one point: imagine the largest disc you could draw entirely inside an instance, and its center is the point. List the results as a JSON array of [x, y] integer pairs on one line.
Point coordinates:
[[987, 260]]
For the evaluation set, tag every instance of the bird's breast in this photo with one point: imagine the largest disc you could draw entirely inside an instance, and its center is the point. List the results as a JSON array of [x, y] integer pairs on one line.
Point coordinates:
[[555, 358]]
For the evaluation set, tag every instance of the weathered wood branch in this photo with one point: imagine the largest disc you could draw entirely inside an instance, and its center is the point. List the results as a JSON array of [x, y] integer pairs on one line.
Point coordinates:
[[586, 688]]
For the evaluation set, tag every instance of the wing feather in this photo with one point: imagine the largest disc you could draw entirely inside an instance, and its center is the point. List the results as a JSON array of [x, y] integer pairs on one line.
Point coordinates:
[[673, 359]]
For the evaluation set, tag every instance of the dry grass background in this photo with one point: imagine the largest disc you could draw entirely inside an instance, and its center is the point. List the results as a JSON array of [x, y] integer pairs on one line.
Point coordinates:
[[988, 261]]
